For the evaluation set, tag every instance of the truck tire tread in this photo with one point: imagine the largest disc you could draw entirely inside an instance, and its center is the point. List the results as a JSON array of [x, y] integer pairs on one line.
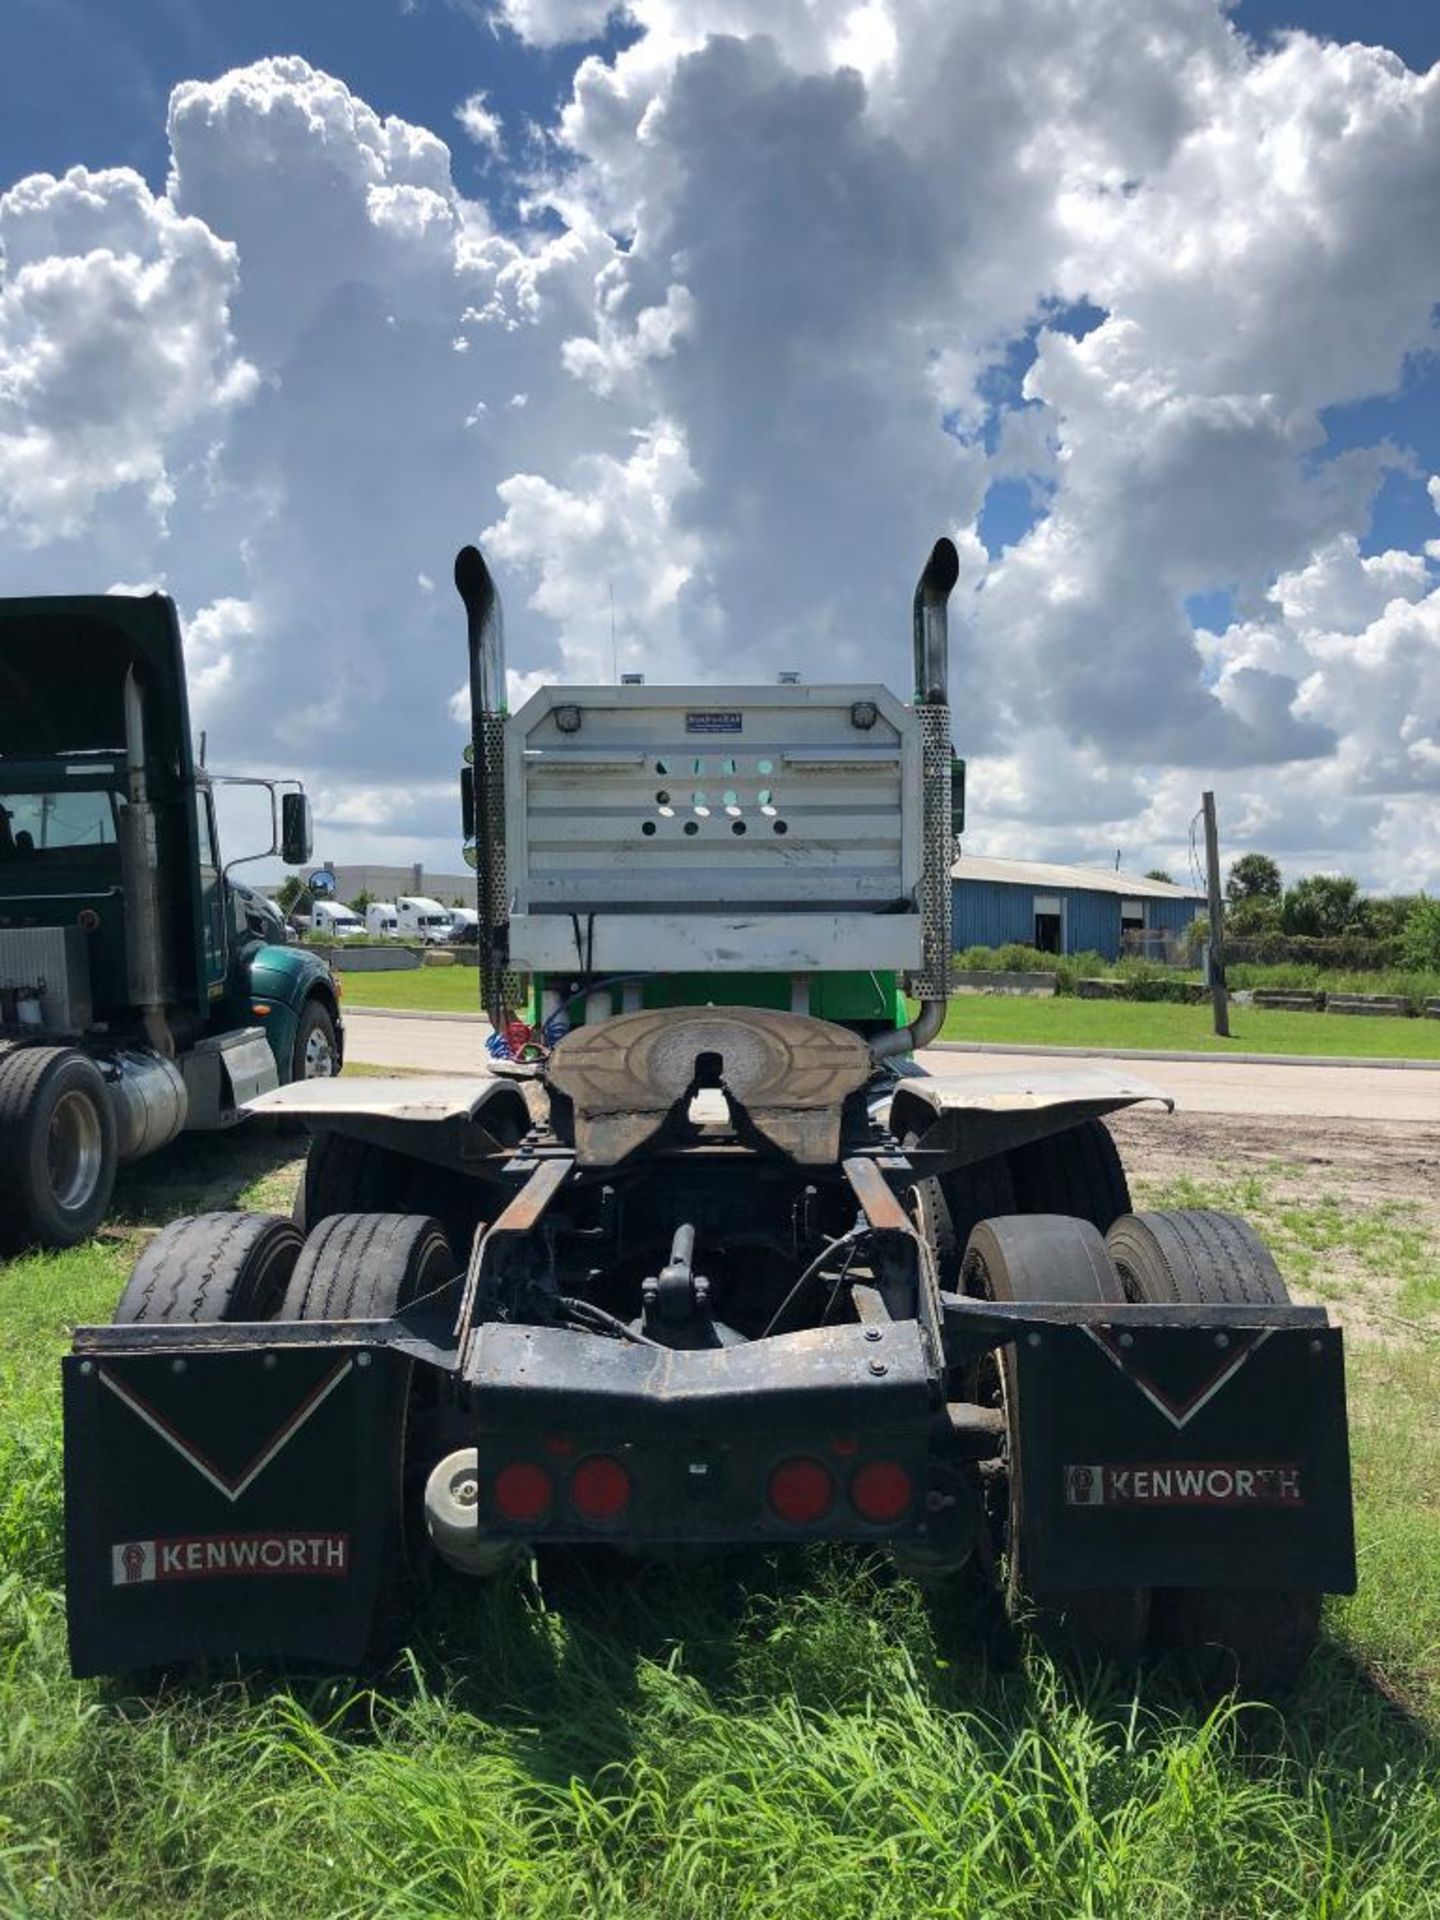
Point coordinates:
[[366, 1266], [1196, 1254], [1077, 1172], [212, 1266]]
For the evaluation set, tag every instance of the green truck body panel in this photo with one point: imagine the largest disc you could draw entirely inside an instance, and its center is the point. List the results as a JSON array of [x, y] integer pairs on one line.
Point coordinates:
[[861, 999], [284, 978]]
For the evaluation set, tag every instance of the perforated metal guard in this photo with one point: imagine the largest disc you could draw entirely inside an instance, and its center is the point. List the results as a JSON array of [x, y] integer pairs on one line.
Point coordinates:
[[502, 987], [933, 980]]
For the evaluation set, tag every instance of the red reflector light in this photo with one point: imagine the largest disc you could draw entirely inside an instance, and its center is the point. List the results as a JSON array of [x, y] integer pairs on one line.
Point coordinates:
[[881, 1491], [801, 1491], [600, 1488], [522, 1491]]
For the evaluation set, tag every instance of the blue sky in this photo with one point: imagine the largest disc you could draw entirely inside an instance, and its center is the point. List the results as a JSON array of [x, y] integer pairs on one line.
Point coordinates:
[[87, 81], [289, 407]]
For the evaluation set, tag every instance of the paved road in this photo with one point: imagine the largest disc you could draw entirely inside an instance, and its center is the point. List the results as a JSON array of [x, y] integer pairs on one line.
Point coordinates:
[[1210, 1086]]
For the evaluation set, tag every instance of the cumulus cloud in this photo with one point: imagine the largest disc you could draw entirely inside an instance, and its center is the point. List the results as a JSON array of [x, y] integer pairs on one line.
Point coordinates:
[[552, 23], [801, 283], [115, 347], [481, 122]]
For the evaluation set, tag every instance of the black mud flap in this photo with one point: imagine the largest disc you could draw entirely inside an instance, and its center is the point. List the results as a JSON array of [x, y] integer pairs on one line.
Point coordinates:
[[1185, 1456], [229, 1496]]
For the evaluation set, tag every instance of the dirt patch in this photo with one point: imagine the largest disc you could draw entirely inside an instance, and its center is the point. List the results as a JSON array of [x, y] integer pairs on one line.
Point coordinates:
[[1350, 1208], [1373, 1160]]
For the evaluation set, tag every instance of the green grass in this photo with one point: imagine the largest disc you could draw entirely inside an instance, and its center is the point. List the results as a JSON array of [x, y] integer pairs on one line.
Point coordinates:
[[422, 989], [1061, 1022], [1159, 1027], [786, 1736]]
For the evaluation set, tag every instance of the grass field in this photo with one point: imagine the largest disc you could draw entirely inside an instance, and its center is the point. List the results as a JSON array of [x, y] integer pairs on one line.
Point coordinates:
[[1061, 1022], [1065, 1022], [777, 1736], [422, 989]]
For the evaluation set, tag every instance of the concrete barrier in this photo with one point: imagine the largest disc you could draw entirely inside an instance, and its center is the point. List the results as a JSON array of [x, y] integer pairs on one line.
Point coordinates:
[[345, 959], [1288, 999], [1432, 1009], [989, 980], [1190, 993], [1391, 1005]]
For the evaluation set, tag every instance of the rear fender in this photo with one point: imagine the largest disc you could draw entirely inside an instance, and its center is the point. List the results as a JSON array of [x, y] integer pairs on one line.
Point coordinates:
[[950, 1123], [466, 1122]]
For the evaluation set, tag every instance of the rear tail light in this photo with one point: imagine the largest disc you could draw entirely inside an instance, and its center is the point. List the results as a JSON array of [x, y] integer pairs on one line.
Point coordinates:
[[600, 1488], [882, 1490], [801, 1491], [523, 1491]]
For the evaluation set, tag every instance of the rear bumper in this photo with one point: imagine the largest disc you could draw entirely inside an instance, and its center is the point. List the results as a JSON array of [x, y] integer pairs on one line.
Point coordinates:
[[238, 1489]]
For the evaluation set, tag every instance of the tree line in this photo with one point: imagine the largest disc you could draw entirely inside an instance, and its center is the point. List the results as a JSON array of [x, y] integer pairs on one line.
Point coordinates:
[[1330, 906]]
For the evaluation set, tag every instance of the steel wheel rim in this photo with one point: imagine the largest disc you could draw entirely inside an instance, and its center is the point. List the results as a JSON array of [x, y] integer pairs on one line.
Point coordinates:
[[319, 1056], [74, 1152]]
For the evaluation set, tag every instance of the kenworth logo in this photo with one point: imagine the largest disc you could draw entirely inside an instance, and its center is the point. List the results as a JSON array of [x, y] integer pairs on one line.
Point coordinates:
[[211, 1556], [1196, 1483]]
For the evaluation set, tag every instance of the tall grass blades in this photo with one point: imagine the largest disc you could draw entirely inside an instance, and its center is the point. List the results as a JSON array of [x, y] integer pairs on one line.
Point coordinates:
[[767, 1737]]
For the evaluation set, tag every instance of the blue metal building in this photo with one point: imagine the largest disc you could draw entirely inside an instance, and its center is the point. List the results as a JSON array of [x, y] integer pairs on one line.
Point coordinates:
[[1066, 909]]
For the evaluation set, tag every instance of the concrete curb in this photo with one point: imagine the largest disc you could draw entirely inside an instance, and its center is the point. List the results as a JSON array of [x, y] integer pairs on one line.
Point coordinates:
[[1205, 1059]]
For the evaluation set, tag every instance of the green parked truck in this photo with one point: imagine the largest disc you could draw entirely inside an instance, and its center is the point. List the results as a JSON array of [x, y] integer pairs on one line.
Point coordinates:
[[142, 990]]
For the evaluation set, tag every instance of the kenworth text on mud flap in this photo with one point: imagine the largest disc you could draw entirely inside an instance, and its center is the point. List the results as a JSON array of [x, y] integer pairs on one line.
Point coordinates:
[[142, 990], [704, 1257]]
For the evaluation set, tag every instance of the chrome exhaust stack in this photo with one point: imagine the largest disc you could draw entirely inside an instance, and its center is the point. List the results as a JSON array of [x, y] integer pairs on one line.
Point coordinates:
[[146, 957], [485, 787]]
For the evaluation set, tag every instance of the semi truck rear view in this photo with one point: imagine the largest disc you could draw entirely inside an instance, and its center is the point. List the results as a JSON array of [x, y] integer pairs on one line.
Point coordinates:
[[141, 991], [702, 1257]]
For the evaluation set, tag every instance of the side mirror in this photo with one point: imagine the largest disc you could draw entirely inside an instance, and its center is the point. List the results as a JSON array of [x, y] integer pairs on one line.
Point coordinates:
[[295, 835], [467, 802]]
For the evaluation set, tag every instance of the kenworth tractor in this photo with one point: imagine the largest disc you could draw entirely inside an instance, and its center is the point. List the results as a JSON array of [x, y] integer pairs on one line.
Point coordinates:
[[142, 990], [704, 1256]]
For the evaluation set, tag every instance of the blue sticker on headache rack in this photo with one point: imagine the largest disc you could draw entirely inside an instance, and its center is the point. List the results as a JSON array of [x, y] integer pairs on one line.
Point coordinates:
[[714, 723]]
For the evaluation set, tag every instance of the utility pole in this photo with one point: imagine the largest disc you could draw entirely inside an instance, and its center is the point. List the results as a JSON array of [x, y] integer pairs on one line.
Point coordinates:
[[1219, 999]]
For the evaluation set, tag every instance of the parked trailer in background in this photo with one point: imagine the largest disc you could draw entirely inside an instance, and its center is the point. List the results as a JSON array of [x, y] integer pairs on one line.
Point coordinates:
[[142, 991], [703, 1258]]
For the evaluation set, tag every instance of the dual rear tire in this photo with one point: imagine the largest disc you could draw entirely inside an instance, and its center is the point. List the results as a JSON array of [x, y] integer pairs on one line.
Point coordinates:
[[1253, 1639], [1077, 1173], [258, 1266]]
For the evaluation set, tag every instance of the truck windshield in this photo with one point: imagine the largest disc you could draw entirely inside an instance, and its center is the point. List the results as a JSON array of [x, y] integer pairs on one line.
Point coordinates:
[[34, 824]]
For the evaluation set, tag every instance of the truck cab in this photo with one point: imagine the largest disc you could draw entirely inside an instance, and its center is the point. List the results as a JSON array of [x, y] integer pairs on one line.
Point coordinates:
[[422, 919], [142, 991], [340, 922]]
